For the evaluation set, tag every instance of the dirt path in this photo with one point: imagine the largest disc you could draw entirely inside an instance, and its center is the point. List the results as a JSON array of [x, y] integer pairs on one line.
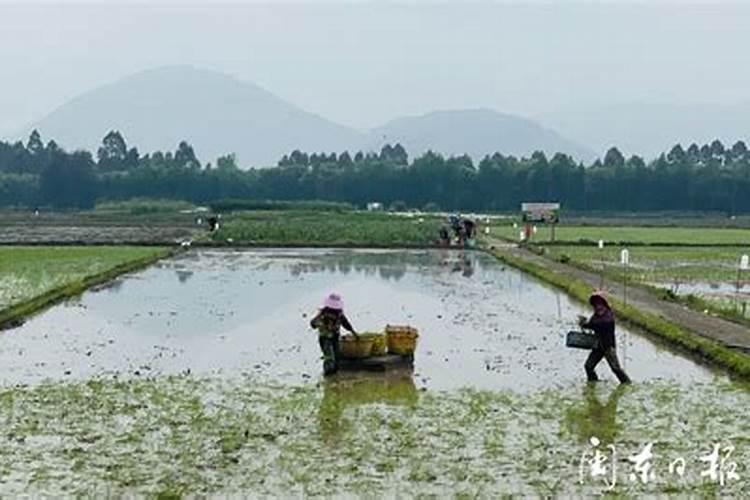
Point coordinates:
[[726, 332]]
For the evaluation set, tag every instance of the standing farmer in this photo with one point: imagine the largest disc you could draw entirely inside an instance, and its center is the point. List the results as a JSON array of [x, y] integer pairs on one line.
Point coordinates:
[[603, 324], [328, 322]]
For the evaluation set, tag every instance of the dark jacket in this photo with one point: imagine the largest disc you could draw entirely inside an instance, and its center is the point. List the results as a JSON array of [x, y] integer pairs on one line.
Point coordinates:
[[604, 327], [328, 322]]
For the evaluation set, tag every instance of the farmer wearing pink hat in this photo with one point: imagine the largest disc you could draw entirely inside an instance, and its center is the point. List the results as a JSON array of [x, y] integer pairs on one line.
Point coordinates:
[[328, 322], [602, 322]]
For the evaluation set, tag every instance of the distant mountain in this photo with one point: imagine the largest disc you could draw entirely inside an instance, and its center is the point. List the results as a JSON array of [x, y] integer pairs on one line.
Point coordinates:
[[215, 113], [218, 114], [650, 129], [477, 132]]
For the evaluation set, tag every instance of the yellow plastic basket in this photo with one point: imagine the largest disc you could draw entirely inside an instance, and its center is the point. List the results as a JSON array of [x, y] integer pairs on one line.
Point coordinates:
[[401, 340], [351, 347], [379, 344]]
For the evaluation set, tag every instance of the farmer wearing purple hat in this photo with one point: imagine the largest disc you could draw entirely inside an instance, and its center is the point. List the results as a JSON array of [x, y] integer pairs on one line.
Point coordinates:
[[602, 322], [328, 322]]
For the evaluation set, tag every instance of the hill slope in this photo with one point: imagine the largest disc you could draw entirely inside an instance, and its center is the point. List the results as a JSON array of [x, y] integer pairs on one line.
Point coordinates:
[[476, 132], [215, 113], [218, 114]]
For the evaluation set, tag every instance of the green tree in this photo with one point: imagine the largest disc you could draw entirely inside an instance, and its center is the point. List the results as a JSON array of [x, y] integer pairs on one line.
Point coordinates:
[[112, 153], [399, 155], [35, 146], [345, 161], [613, 158], [739, 150], [677, 154], [69, 181], [227, 162], [185, 157], [298, 158], [132, 159], [717, 148]]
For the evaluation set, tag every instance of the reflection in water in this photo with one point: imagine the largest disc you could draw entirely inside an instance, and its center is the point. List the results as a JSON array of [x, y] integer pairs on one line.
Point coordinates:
[[114, 285], [183, 275], [382, 264], [467, 265], [384, 270], [346, 390], [395, 272], [592, 418]]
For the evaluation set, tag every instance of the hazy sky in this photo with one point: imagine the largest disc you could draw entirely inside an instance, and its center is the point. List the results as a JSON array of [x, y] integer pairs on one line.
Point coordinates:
[[361, 63]]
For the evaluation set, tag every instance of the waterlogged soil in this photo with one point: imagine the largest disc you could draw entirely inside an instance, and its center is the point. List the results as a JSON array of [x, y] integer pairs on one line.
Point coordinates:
[[367, 436], [708, 289], [201, 376], [230, 312], [725, 295], [666, 264], [100, 235]]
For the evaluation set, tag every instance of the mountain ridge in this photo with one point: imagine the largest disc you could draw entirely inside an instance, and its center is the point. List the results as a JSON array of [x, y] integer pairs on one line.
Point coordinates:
[[219, 114], [522, 136]]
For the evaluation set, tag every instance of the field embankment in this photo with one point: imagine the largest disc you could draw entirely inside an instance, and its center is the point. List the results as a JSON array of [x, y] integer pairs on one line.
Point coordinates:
[[723, 342], [32, 278]]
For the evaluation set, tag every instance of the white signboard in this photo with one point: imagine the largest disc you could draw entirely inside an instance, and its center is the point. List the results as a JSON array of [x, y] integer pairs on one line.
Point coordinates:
[[744, 262], [548, 213], [539, 207], [601, 244]]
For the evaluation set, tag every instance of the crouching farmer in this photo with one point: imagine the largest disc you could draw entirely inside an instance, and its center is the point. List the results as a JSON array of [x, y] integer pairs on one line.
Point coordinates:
[[328, 322], [602, 322]]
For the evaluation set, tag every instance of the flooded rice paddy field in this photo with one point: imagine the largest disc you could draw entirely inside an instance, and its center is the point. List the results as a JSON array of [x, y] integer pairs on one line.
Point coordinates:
[[201, 375], [734, 296], [710, 273], [30, 271], [483, 326]]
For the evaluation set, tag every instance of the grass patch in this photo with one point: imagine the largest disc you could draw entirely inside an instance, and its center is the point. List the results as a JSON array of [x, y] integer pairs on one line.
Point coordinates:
[[297, 228], [32, 278]]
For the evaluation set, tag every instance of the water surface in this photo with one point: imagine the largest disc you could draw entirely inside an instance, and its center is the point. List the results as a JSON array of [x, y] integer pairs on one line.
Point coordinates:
[[482, 325]]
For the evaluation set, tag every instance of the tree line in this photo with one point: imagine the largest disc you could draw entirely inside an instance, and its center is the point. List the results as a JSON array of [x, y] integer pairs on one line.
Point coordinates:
[[710, 177]]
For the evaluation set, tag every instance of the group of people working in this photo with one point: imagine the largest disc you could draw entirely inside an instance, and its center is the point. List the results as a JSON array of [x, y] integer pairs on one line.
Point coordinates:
[[462, 230], [331, 318]]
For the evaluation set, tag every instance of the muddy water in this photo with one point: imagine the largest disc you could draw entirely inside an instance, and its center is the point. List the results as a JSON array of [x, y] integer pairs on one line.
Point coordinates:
[[708, 289], [231, 313]]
